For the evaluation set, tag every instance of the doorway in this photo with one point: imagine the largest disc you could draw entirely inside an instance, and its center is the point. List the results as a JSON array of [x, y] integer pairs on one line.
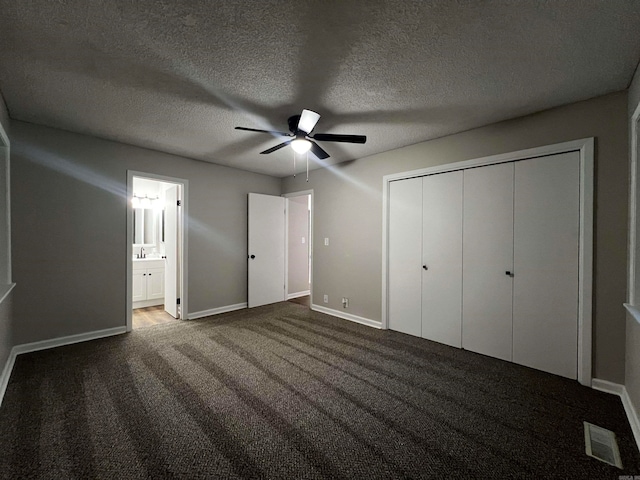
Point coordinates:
[[156, 250], [299, 247]]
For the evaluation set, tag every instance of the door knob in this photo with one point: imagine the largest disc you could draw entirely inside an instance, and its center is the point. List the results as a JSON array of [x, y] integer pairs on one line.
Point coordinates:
[[253, 256], [425, 267], [509, 273]]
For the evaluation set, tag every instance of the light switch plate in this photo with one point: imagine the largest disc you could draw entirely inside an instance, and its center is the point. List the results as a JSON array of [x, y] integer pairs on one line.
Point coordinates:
[[326, 241]]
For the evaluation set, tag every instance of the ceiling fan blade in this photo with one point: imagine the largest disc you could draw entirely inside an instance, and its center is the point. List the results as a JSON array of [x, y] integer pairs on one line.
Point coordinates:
[[282, 134], [330, 137], [277, 147], [308, 121], [318, 151]]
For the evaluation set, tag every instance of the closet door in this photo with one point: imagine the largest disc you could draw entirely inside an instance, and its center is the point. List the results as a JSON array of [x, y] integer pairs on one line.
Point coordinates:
[[546, 239], [442, 258], [488, 255], [405, 253]]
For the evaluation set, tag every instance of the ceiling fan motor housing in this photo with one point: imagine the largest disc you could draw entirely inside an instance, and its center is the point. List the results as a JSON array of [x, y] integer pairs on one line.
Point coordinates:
[[293, 123]]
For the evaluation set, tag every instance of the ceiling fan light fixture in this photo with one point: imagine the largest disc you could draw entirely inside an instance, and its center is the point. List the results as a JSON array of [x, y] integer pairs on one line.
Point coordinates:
[[300, 145], [301, 127]]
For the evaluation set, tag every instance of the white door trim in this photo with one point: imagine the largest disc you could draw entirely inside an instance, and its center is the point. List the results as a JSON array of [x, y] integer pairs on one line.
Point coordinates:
[[184, 296], [585, 147], [286, 241], [5, 149], [632, 301]]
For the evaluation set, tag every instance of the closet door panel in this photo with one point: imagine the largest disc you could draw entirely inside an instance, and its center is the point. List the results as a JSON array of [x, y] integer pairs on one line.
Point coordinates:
[[405, 254], [442, 257], [546, 240], [487, 255]]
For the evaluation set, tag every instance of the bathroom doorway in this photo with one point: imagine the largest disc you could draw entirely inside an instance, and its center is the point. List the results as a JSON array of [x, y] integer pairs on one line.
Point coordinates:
[[156, 250]]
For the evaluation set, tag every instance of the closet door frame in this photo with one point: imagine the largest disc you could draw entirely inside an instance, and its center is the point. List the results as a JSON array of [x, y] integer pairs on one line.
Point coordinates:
[[585, 147]]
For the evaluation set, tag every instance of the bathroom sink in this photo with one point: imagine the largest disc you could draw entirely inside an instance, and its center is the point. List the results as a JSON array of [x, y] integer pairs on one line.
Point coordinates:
[[148, 257]]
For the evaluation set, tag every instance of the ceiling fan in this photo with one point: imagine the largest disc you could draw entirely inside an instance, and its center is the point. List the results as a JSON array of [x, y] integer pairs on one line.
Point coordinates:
[[300, 128]]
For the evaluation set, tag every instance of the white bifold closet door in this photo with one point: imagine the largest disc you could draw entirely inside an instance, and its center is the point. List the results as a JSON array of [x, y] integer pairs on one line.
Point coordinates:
[[442, 258], [488, 260], [545, 283], [405, 247]]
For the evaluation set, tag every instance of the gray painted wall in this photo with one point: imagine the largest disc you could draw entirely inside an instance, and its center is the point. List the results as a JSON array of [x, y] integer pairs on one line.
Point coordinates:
[[6, 335], [632, 365], [298, 258], [4, 114], [69, 230], [348, 210], [634, 91]]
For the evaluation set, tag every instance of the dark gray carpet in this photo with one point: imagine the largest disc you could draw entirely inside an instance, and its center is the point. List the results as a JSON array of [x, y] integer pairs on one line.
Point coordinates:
[[283, 392]]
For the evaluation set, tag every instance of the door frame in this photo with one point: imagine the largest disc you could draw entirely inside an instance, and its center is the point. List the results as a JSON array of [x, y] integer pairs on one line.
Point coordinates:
[[6, 284], [184, 235], [286, 241], [633, 292], [585, 147]]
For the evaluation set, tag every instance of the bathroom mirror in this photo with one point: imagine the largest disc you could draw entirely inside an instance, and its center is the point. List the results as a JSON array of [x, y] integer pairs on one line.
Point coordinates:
[[144, 222]]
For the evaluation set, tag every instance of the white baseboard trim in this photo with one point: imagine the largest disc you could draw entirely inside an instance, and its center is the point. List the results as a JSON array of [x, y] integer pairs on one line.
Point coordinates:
[[52, 343], [216, 311], [621, 391], [607, 386], [6, 373], [632, 415], [298, 294], [347, 316], [69, 340]]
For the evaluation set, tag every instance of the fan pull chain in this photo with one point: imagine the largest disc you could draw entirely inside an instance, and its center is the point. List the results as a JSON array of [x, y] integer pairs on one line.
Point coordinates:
[[307, 167], [294, 163]]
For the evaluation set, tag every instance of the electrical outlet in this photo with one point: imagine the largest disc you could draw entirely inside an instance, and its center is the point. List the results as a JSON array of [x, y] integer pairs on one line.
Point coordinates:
[[345, 302], [326, 241], [326, 299]]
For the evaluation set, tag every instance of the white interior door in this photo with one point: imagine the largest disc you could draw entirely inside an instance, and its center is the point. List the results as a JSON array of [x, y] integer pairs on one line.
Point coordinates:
[[266, 249], [442, 258], [405, 253], [546, 242], [488, 255], [171, 251]]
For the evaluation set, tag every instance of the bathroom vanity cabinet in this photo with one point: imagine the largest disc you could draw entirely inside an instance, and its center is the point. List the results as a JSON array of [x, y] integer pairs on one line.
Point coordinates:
[[148, 282]]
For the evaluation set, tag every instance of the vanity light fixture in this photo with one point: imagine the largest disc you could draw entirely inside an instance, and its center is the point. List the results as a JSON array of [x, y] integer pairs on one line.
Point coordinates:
[[139, 201]]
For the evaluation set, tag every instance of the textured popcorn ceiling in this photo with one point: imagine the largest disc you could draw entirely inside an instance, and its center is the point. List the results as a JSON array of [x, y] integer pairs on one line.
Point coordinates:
[[178, 76]]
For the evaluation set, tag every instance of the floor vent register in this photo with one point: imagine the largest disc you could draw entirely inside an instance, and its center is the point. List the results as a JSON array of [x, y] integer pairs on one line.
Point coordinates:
[[601, 444]]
